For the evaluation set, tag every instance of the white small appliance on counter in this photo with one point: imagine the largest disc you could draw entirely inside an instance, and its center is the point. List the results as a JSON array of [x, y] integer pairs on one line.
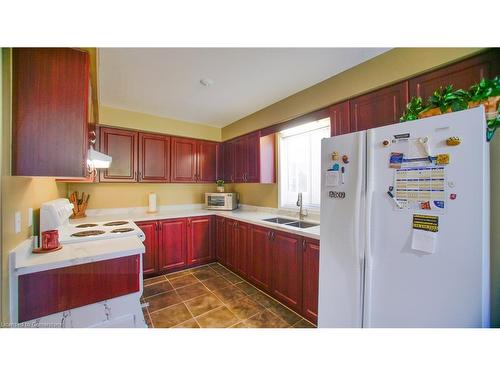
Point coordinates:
[[221, 201]]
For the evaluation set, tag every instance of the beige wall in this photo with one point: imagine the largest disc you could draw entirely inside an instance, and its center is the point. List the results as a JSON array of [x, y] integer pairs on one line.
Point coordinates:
[[143, 121], [18, 193], [112, 195]]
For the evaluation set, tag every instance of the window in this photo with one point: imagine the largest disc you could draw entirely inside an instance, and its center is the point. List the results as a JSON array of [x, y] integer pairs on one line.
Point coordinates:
[[300, 163]]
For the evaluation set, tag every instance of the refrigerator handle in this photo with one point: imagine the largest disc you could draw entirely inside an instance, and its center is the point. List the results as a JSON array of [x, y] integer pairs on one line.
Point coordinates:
[[368, 261], [357, 224]]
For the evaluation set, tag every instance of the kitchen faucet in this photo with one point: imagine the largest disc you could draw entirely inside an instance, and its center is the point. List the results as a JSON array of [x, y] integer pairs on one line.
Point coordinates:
[[301, 210]]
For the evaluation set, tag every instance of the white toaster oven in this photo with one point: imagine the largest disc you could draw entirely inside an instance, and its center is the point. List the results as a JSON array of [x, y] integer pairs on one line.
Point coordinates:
[[221, 201]]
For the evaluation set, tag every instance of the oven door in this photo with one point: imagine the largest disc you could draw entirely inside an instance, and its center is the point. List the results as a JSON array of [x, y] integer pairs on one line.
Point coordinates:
[[216, 202]]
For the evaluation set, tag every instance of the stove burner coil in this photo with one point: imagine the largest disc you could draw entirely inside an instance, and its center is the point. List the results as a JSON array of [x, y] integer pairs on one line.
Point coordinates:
[[122, 230], [89, 225], [115, 223], [87, 233]]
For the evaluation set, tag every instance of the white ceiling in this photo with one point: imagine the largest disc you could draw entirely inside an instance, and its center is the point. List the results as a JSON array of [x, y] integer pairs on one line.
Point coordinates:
[[166, 81]]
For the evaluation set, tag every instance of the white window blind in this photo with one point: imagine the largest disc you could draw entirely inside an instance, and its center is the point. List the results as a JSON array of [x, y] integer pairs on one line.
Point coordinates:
[[300, 163]]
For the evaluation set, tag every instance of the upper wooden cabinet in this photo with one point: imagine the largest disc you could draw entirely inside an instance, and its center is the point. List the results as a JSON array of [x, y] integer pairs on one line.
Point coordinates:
[[228, 161], [122, 146], [339, 119], [378, 108], [50, 112], [250, 158], [154, 158], [183, 160], [461, 75], [194, 160], [208, 161]]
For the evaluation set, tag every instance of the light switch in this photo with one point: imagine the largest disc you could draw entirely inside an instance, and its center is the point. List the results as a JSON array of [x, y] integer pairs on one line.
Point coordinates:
[[17, 222], [30, 216]]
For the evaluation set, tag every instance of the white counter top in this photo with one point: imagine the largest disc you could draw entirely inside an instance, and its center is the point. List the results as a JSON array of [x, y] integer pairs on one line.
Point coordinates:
[[23, 261], [248, 214]]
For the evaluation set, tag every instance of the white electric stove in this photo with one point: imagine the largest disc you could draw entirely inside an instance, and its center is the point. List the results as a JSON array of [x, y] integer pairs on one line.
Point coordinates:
[[55, 215]]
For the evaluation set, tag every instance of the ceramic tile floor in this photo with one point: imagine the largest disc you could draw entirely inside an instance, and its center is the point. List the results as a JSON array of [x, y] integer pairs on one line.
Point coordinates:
[[211, 296]]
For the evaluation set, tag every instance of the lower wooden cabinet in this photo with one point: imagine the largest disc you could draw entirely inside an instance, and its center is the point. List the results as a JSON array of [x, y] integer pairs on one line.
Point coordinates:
[[220, 243], [172, 254], [241, 244], [230, 247], [286, 280], [282, 264], [259, 256], [150, 257], [199, 240], [310, 282]]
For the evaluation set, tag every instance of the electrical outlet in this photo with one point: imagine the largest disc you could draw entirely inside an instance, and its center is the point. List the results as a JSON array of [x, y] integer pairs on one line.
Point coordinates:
[[30, 216], [17, 222]]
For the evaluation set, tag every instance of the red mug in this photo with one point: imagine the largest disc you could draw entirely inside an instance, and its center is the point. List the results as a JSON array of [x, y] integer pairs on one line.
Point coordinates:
[[50, 239]]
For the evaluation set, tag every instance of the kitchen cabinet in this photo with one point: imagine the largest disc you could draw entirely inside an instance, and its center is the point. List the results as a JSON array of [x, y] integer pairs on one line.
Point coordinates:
[[259, 266], [50, 88], [184, 167], [310, 276], [378, 108], [461, 75], [339, 119], [208, 161], [48, 292], [194, 160], [250, 158], [199, 240], [122, 146], [286, 278], [241, 245], [220, 240], [230, 246], [172, 252], [228, 161], [150, 257], [154, 158]]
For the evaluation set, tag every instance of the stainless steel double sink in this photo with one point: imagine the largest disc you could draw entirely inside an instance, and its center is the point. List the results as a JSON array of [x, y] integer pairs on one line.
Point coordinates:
[[291, 222]]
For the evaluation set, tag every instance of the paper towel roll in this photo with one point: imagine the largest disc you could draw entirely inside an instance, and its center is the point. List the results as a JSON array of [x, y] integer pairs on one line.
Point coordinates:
[[152, 202]]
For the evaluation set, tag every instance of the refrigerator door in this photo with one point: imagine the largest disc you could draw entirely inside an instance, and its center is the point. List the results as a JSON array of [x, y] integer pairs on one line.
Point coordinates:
[[342, 219], [448, 285]]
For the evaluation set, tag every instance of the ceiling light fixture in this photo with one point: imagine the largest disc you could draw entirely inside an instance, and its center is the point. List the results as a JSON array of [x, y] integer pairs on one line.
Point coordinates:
[[207, 82]]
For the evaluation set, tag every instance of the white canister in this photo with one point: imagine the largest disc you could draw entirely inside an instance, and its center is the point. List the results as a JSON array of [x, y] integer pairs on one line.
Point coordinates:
[[152, 203]]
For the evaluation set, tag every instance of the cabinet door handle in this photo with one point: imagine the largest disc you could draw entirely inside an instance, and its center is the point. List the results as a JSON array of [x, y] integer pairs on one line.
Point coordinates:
[[304, 244], [140, 176]]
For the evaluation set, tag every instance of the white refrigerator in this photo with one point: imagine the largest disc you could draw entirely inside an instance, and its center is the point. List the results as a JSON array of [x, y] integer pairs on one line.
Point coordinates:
[[405, 225]]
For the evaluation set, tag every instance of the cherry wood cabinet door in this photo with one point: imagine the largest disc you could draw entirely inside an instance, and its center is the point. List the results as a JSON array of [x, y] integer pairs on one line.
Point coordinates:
[[287, 269], [230, 243], [208, 154], [253, 157], [228, 157], [378, 108], [241, 234], [150, 257], [199, 240], [339, 119], [50, 112], [172, 245], [121, 145], [310, 279], [154, 158], [240, 159], [220, 243], [461, 75], [184, 165], [259, 266], [48, 292]]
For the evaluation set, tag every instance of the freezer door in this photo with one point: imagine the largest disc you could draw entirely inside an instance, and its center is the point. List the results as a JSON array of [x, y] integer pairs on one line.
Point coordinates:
[[449, 286], [342, 219]]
